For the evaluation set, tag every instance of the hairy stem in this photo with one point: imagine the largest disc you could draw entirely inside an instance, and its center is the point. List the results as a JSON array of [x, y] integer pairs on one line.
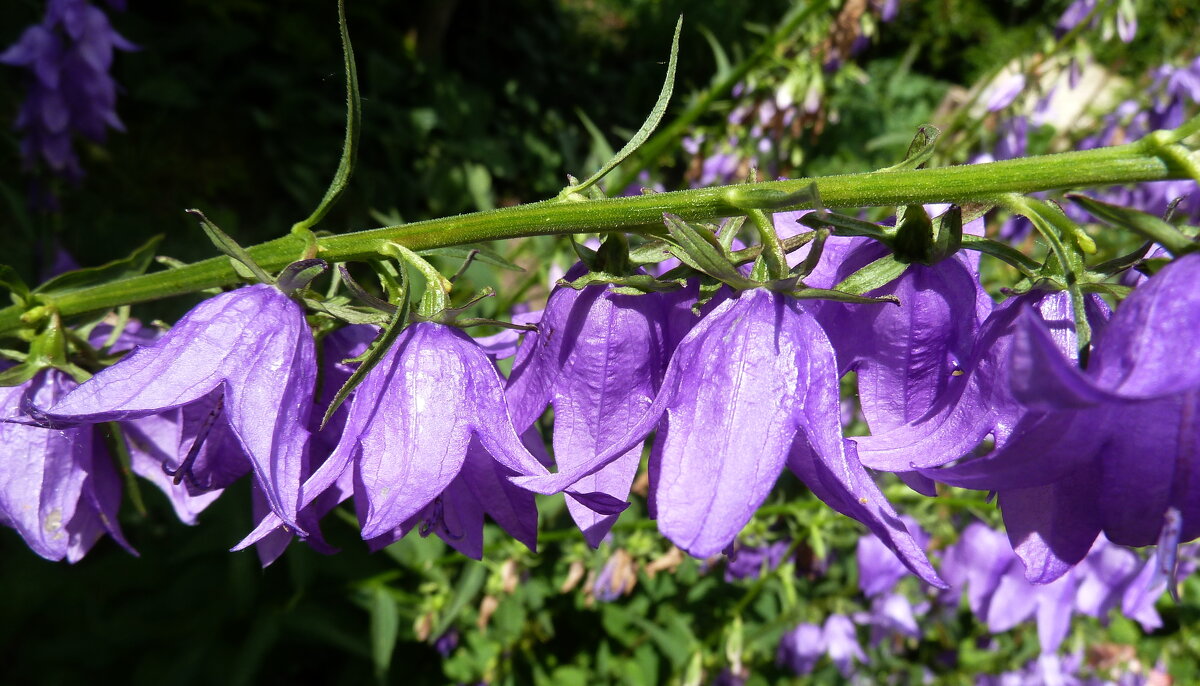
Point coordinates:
[[984, 183]]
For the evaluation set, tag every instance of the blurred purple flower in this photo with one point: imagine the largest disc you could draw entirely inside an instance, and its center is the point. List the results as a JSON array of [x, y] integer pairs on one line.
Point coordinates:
[[746, 562], [801, 648], [841, 644], [70, 91]]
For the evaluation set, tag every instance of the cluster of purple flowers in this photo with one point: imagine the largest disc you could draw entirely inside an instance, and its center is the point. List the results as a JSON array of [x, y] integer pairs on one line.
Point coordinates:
[[68, 56]]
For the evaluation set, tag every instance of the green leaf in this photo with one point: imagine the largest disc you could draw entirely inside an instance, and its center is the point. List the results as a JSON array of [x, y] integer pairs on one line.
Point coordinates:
[[385, 628], [345, 168], [137, 262], [371, 357], [14, 283], [875, 275], [636, 284], [751, 196], [297, 275], [469, 583], [920, 150], [1145, 225], [913, 241], [648, 126], [230, 248], [478, 252], [843, 225], [947, 233], [719, 56]]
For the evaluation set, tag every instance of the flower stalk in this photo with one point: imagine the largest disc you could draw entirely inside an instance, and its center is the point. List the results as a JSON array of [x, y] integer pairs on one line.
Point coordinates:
[[982, 183]]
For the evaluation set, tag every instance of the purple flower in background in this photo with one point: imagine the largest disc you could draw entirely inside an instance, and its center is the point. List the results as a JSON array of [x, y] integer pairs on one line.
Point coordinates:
[[752, 387], [1075, 13], [746, 562], [801, 648], [598, 359], [58, 487], [878, 567], [616, 578], [244, 357], [68, 56], [1003, 91], [841, 644]]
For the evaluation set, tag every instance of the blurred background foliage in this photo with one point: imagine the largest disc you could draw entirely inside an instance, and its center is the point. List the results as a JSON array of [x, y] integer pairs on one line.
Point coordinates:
[[236, 107]]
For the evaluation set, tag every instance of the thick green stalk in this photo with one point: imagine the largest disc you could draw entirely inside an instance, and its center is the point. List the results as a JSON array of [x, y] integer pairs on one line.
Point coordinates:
[[981, 183]]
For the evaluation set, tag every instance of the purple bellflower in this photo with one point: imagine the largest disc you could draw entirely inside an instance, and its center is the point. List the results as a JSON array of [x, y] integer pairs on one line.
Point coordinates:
[[752, 387], [801, 648], [841, 644], [408, 430], [598, 358], [68, 55], [1114, 445], [245, 358], [58, 488]]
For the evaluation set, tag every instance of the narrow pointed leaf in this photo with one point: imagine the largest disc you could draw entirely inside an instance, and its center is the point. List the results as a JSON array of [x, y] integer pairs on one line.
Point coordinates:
[[1144, 224], [230, 248], [14, 283], [648, 126], [481, 254], [137, 262], [843, 225], [353, 119], [876, 274], [920, 150]]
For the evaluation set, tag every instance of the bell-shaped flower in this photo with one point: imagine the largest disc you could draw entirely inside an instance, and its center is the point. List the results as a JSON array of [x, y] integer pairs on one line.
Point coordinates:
[[1108, 449], [801, 648], [752, 387], [597, 358], [247, 353], [410, 424], [58, 487]]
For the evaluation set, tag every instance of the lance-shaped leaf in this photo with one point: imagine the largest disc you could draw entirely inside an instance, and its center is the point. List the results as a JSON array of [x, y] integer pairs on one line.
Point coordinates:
[[345, 167], [135, 263], [241, 260], [700, 250], [252, 346], [647, 128], [920, 150]]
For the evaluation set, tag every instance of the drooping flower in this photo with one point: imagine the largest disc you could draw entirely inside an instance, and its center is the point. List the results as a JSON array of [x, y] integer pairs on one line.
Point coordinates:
[[752, 387], [1111, 448], [58, 488], [748, 562], [597, 358], [245, 358], [410, 424], [841, 643]]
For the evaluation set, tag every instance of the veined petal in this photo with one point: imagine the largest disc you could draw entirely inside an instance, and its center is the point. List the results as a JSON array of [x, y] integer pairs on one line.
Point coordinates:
[[731, 421], [514, 509], [1149, 349], [1052, 527]]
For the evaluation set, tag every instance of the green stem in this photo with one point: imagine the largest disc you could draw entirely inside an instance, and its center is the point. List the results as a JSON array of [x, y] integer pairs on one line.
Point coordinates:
[[980, 183]]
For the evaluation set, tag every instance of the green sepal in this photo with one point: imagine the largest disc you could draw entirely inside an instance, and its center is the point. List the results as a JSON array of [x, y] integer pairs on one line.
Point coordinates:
[[447, 315], [708, 289], [841, 296], [370, 357], [634, 284], [116, 440], [1151, 266], [643, 133], [650, 252], [361, 293], [1123, 262], [134, 264], [947, 234], [843, 225], [472, 252], [345, 167], [1001, 251], [814, 254], [875, 275], [15, 284], [729, 230], [339, 307], [700, 250], [914, 235], [297, 275], [919, 151], [484, 321], [436, 297], [1146, 225], [237, 255], [1116, 290], [47, 349]]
